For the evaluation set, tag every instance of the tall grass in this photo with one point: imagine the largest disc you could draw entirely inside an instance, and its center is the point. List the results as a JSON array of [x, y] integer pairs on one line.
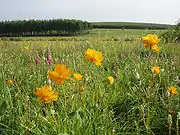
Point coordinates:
[[137, 102]]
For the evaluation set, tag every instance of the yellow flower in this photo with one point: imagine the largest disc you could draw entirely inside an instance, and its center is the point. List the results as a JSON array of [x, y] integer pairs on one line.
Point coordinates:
[[155, 48], [156, 69], [9, 82], [26, 48], [94, 56], [60, 74], [110, 79], [150, 40], [172, 90], [78, 77], [46, 94]]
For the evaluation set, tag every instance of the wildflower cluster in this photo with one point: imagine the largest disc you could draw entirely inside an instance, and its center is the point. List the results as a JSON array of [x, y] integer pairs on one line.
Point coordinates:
[[61, 73], [47, 58], [150, 41]]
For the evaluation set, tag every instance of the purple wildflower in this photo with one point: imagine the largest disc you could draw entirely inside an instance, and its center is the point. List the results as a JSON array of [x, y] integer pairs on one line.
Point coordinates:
[[48, 58]]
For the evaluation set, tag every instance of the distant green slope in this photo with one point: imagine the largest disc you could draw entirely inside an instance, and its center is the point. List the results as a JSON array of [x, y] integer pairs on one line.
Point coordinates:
[[129, 25]]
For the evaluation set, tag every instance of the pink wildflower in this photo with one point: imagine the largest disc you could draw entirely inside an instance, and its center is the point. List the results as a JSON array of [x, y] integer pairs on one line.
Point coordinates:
[[48, 58]]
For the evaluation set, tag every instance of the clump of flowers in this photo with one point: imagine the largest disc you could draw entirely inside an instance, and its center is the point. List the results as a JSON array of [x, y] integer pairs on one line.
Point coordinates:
[[156, 69], [46, 94], [94, 56], [110, 80], [60, 74], [78, 77], [172, 90], [151, 41]]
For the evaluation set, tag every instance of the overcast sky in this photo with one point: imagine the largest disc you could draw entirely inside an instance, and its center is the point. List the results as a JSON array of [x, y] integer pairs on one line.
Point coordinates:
[[155, 11]]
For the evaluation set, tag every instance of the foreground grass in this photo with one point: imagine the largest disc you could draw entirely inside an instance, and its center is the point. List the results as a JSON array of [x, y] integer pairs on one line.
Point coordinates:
[[137, 103]]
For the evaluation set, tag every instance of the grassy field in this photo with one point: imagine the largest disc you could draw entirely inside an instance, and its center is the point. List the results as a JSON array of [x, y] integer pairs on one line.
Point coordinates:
[[137, 103], [95, 34]]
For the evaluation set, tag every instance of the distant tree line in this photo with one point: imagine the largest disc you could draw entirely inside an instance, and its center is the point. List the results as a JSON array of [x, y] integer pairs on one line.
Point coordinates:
[[173, 34], [55, 27], [143, 26]]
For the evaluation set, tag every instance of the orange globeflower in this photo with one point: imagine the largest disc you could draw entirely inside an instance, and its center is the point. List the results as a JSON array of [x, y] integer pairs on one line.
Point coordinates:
[[46, 94], [150, 40], [156, 69], [172, 90], [60, 74], [98, 59], [155, 48], [110, 79], [94, 56], [89, 54], [78, 77], [9, 82]]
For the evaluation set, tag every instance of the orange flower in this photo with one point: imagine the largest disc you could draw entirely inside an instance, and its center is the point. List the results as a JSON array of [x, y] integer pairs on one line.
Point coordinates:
[[9, 82], [46, 94], [150, 40], [60, 74], [156, 69], [155, 48], [110, 79], [78, 77], [172, 90], [94, 56]]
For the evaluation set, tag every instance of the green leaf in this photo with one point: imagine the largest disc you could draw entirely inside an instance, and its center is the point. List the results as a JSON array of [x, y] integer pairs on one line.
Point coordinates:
[[3, 107]]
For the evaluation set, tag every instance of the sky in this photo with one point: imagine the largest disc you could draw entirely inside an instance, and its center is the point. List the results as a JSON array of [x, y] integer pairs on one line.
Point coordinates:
[[150, 11]]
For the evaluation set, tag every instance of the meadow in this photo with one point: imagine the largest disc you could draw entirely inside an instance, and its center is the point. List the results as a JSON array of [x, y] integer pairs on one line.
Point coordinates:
[[119, 94]]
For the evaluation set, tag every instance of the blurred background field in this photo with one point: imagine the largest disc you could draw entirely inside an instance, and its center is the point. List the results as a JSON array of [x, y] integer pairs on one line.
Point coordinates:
[[103, 34]]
